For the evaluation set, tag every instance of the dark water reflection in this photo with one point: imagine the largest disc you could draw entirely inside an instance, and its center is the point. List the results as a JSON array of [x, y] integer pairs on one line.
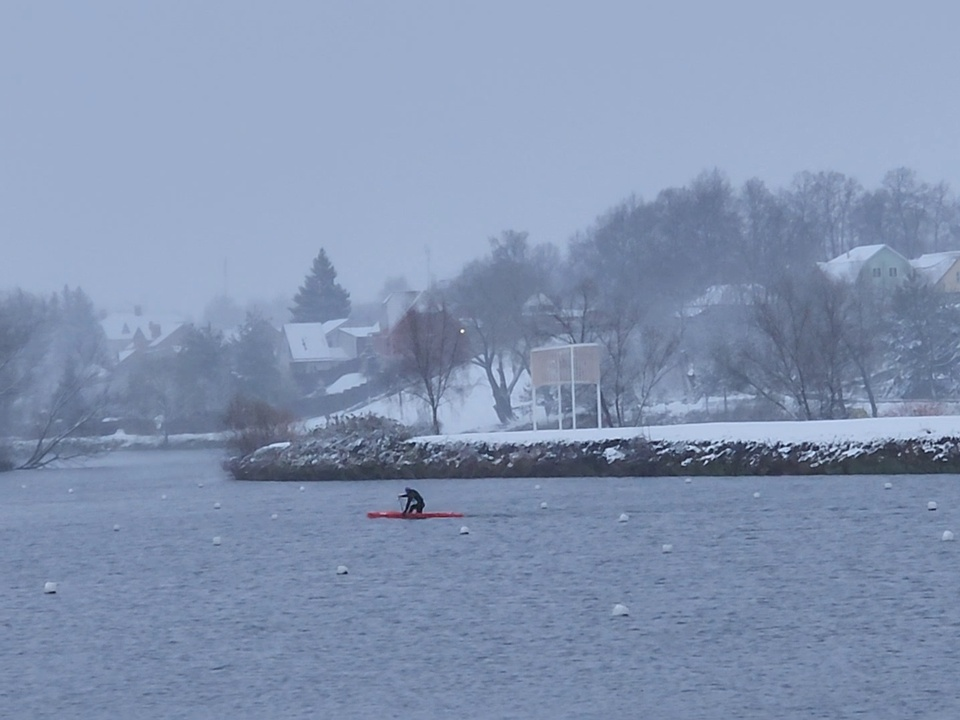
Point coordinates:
[[827, 598]]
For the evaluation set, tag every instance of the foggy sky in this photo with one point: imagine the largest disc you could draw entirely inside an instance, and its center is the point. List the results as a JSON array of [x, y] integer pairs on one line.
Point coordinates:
[[162, 153]]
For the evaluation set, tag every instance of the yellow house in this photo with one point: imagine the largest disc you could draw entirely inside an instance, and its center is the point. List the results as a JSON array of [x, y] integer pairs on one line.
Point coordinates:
[[942, 270]]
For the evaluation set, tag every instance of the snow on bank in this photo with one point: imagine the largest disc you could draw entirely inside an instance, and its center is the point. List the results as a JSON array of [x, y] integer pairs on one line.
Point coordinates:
[[815, 431]]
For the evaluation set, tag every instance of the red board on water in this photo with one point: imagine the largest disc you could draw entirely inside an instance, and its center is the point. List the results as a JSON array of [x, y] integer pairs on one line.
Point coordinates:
[[397, 515]]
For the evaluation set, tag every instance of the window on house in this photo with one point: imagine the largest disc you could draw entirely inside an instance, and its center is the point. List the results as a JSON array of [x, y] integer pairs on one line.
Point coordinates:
[[893, 272], [876, 272]]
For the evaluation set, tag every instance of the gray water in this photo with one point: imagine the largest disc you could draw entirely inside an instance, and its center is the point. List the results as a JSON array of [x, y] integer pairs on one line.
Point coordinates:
[[824, 598]]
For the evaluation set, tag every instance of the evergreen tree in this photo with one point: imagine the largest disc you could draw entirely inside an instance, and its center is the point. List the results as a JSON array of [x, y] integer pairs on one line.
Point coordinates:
[[321, 297]]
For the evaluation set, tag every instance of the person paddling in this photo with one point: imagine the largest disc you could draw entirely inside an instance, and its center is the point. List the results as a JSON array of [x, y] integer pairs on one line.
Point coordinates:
[[414, 501]]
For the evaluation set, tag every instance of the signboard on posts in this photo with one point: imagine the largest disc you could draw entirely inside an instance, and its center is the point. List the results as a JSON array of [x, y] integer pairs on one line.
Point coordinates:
[[566, 365]]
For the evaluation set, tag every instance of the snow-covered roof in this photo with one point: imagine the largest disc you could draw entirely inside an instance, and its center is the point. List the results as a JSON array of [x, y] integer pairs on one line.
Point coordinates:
[[729, 295], [123, 326], [345, 382], [848, 265], [362, 331], [308, 342], [933, 266]]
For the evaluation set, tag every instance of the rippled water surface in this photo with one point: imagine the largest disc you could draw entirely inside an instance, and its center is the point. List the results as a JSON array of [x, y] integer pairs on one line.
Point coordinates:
[[822, 598]]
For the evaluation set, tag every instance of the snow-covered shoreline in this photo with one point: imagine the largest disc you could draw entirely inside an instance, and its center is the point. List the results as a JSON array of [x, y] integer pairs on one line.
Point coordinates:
[[864, 446]]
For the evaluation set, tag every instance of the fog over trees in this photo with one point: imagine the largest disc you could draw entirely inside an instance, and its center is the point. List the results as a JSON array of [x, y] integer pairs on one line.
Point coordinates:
[[823, 299]]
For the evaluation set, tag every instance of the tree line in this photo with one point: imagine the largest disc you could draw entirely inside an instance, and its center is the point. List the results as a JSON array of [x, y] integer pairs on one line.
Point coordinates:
[[798, 343]]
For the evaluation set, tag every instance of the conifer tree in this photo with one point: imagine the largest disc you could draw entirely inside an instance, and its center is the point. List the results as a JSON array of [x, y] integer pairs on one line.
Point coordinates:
[[321, 297]]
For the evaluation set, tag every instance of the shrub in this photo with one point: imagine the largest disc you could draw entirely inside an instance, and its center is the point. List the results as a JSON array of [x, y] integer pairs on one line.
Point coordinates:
[[256, 423]]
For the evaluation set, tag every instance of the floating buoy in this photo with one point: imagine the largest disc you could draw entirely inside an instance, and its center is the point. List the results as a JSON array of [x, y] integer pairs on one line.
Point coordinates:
[[931, 505], [50, 588], [543, 505], [464, 530], [620, 610], [688, 481], [216, 540], [887, 485], [302, 488], [667, 548], [536, 487], [163, 497], [116, 528], [947, 536], [756, 494], [216, 506], [273, 517], [23, 487], [341, 570], [199, 484], [70, 490], [623, 517]]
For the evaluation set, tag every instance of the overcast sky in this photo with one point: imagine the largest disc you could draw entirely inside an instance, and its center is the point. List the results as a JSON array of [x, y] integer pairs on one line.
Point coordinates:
[[161, 153]]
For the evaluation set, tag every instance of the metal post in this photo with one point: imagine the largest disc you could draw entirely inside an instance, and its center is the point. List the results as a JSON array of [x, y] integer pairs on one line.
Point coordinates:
[[573, 389], [599, 420], [560, 405], [533, 407]]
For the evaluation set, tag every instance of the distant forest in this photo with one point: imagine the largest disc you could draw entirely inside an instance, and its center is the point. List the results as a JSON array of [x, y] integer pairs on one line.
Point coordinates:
[[708, 294]]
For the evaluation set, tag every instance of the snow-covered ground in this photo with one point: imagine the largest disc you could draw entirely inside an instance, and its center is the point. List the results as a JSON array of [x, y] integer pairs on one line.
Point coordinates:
[[866, 429]]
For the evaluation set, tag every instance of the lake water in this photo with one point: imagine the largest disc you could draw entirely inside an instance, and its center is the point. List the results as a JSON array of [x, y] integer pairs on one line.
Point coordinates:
[[822, 598]]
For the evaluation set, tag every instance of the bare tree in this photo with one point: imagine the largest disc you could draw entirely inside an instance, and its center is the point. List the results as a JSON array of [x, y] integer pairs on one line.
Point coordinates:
[[431, 345]]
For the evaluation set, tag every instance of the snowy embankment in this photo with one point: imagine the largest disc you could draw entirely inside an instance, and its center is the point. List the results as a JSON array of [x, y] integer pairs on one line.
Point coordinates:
[[380, 449]]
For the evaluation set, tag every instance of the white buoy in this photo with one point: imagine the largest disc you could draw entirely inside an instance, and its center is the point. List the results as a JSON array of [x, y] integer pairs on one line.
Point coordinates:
[[620, 610], [199, 484], [623, 517], [464, 530], [216, 506], [342, 570], [887, 486], [536, 487], [302, 488], [543, 505], [688, 481], [931, 505], [947, 536], [163, 497], [756, 494], [667, 548], [70, 490], [116, 528], [23, 487], [50, 588], [216, 540], [273, 517]]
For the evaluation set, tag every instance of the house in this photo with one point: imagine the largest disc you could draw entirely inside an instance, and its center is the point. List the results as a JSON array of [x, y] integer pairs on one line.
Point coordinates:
[[880, 266], [131, 333], [309, 350], [941, 270]]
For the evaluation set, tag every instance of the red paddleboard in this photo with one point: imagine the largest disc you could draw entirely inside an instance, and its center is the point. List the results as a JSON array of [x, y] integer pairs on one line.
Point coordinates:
[[397, 515]]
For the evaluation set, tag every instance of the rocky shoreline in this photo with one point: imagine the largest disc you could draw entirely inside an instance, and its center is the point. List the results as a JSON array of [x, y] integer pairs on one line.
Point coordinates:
[[384, 451]]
